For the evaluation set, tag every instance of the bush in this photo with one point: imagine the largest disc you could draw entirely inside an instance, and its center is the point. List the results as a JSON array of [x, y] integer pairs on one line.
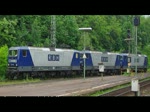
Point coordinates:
[[145, 51], [3, 61]]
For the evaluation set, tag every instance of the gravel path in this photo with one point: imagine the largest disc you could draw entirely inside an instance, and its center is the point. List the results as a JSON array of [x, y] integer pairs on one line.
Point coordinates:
[[64, 87]]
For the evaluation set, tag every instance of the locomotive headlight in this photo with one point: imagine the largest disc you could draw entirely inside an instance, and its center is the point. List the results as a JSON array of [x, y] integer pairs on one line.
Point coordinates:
[[8, 64], [16, 64]]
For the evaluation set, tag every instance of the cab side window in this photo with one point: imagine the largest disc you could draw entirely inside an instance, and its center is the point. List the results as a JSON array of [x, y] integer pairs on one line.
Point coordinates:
[[87, 56], [77, 55], [24, 53]]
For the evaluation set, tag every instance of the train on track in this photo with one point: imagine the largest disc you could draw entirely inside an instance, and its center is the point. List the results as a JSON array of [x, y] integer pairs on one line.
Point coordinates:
[[45, 62]]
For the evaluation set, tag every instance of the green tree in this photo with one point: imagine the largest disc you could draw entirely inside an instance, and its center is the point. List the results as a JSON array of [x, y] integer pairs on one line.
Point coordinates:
[[7, 32], [67, 30]]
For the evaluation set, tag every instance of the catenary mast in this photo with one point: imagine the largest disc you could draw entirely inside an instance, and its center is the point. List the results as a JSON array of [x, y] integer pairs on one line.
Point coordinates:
[[53, 31]]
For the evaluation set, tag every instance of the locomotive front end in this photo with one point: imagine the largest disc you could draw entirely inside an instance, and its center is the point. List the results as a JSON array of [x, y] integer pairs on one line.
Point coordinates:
[[13, 60]]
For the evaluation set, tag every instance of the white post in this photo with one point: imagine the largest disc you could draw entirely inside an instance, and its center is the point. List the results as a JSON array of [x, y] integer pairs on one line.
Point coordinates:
[[136, 51], [84, 56]]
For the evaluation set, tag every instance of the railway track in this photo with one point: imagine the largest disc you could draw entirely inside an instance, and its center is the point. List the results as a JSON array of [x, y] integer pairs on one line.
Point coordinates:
[[126, 90]]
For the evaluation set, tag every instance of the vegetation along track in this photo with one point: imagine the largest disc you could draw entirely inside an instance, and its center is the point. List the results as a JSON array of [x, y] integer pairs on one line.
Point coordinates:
[[125, 90]]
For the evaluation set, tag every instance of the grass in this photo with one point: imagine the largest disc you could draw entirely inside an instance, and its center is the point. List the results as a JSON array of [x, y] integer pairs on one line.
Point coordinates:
[[126, 74], [11, 82], [145, 79], [108, 90], [148, 70]]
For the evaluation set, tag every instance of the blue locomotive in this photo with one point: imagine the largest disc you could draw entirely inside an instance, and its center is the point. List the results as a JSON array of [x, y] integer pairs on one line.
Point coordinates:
[[139, 60], [111, 61], [44, 62]]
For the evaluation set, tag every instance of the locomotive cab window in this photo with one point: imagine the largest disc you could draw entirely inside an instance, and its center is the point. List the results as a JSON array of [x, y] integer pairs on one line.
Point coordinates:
[[24, 53], [13, 53], [120, 58], [81, 56]]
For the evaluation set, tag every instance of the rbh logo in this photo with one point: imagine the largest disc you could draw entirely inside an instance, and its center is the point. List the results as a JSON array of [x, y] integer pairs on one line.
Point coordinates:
[[53, 57], [104, 59]]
